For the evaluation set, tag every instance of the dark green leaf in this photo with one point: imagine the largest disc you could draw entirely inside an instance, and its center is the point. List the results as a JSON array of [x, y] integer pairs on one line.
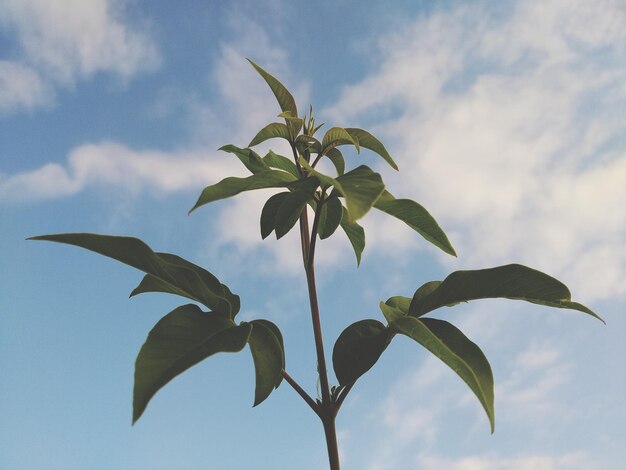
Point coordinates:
[[248, 157], [357, 349], [267, 354], [282, 163], [512, 281], [338, 136], [355, 234], [368, 141], [232, 186], [268, 214], [134, 252], [275, 129], [336, 158], [279, 337], [416, 217], [330, 217], [294, 124], [284, 98], [289, 211], [450, 345], [178, 341]]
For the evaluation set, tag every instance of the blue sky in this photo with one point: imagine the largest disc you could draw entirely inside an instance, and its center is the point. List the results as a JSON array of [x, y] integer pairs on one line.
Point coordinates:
[[507, 123]]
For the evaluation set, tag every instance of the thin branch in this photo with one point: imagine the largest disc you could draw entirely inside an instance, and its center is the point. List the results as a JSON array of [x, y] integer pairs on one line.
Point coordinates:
[[305, 396], [342, 396]]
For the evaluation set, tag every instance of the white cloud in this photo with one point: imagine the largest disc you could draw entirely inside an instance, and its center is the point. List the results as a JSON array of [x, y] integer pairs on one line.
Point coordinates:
[[115, 165], [20, 87], [62, 42], [569, 461], [507, 128]]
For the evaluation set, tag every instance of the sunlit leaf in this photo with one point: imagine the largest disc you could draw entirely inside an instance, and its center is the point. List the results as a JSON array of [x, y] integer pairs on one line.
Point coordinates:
[[336, 158], [416, 217], [232, 186], [450, 345], [267, 354], [282, 163], [338, 136], [391, 312], [271, 131], [355, 234], [178, 341], [370, 142], [283, 96], [248, 157], [512, 281], [136, 253], [357, 349]]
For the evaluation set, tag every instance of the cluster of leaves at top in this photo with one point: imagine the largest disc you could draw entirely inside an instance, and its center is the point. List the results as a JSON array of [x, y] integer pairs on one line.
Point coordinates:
[[187, 335]]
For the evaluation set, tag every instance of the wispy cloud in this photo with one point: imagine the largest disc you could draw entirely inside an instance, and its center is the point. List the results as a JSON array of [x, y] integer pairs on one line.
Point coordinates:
[[63, 42], [508, 126], [569, 461]]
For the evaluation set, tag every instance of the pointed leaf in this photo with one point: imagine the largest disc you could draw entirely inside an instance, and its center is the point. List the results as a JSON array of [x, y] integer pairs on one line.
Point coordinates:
[[136, 253], [357, 349], [178, 341], [336, 158], [232, 186], [368, 141], [282, 163], [267, 354], [268, 214], [512, 281], [391, 312], [330, 217], [279, 337], [275, 129], [355, 234], [294, 124], [284, 98], [399, 302], [338, 136], [291, 208], [416, 217], [248, 157], [450, 345]]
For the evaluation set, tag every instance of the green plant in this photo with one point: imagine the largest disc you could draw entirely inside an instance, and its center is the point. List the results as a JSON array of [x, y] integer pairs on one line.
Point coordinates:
[[187, 335]]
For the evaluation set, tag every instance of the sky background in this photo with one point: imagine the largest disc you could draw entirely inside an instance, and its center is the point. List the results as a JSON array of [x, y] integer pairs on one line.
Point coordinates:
[[508, 122]]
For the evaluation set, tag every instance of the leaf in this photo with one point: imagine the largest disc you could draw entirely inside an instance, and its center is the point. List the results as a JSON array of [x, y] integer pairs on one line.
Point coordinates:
[[338, 136], [267, 354], [178, 341], [268, 214], [275, 129], [282, 163], [232, 186], [512, 281], [248, 157], [294, 124], [416, 217], [391, 312], [399, 302], [357, 349], [284, 98], [136, 253], [450, 345], [330, 217], [279, 337], [355, 234], [228, 303], [336, 158], [370, 142], [360, 187], [292, 205]]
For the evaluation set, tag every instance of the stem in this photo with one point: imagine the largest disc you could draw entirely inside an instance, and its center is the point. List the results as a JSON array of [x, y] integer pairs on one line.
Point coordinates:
[[305, 396]]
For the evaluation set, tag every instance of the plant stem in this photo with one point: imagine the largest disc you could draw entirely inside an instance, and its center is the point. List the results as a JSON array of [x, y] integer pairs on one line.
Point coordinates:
[[305, 396]]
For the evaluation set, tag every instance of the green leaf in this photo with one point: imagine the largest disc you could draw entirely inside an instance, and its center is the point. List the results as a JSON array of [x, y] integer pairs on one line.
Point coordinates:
[[355, 234], [336, 158], [294, 124], [267, 354], [399, 302], [232, 186], [292, 205], [450, 345], [330, 217], [279, 337], [357, 349], [391, 312], [268, 214], [248, 157], [178, 341], [360, 187], [368, 141], [338, 136], [284, 98], [134, 252], [275, 129], [282, 163], [416, 217], [227, 302], [512, 281]]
